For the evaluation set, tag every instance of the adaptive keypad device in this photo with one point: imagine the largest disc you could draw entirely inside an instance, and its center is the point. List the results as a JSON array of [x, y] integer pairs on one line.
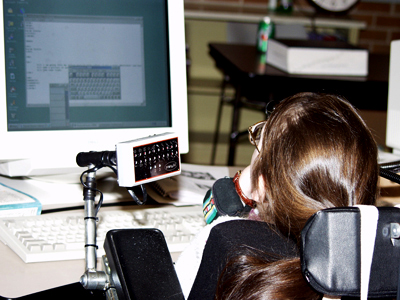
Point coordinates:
[[156, 159], [148, 159]]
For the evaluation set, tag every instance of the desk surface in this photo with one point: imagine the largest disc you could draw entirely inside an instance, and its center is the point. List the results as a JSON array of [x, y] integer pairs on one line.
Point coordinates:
[[242, 64], [19, 279], [247, 59]]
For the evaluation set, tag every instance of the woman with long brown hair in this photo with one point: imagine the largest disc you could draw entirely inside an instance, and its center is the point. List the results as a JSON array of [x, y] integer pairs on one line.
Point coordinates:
[[313, 152]]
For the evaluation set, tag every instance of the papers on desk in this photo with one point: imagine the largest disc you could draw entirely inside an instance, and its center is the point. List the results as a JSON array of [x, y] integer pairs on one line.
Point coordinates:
[[14, 203], [55, 193], [186, 189], [189, 188]]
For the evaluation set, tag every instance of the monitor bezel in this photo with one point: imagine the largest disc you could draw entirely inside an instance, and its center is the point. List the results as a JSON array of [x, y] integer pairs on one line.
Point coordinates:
[[61, 146]]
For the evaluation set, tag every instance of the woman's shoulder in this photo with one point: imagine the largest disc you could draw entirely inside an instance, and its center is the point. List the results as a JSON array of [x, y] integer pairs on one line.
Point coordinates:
[[242, 227], [255, 234]]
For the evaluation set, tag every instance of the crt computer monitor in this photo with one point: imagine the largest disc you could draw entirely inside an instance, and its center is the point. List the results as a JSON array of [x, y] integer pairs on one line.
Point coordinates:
[[393, 113], [83, 75]]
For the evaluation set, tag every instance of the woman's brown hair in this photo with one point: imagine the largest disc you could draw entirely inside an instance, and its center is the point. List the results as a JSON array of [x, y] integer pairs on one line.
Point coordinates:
[[316, 153]]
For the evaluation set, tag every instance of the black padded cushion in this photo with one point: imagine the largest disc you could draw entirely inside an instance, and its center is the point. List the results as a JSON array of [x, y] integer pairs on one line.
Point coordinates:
[[330, 253]]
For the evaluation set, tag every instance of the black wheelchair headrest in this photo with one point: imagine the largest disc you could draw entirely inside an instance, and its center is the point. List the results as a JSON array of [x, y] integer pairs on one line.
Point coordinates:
[[331, 252]]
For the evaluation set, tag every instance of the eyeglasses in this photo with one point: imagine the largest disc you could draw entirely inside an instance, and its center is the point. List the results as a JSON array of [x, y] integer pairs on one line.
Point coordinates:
[[270, 107], [256, 129], [255, 133]]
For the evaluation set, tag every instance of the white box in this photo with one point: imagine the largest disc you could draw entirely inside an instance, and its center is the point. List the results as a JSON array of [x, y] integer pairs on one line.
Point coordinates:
[[317, 57]]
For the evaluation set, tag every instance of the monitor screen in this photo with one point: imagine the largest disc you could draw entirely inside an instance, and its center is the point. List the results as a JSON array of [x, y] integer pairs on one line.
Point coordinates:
[[393, 114], [84, 75]]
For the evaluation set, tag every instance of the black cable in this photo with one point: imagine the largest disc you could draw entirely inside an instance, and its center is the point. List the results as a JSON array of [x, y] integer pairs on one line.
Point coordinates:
[[95, 190], [388, 174], [135, 198]]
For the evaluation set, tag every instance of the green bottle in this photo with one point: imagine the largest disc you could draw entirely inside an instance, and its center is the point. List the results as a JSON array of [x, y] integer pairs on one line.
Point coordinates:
[[265, 32]]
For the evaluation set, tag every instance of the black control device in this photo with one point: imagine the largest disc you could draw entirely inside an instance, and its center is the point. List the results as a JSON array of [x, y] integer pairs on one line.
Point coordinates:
[[141, 266]]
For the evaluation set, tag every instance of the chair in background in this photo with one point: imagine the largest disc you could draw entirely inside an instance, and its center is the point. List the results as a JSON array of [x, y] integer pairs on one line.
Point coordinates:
[[239, 102]]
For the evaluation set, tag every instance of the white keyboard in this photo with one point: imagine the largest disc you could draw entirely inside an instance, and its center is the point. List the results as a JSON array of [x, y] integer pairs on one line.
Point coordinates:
[[61, 236]]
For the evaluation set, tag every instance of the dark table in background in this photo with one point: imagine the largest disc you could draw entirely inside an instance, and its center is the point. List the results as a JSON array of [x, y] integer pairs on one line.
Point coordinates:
[[258, 82]]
